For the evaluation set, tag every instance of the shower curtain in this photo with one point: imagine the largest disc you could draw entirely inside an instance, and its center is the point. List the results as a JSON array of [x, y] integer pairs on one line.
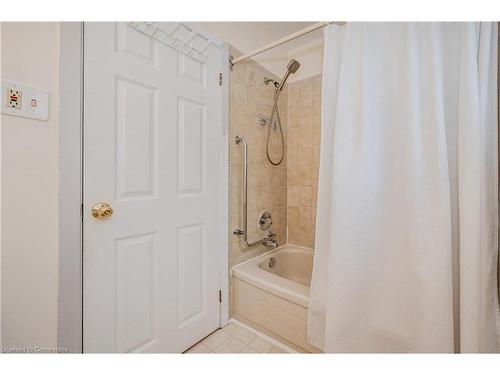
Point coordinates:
[[407, 231]]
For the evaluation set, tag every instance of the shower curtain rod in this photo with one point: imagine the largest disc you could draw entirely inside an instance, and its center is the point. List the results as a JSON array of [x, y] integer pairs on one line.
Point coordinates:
[[283, 40]]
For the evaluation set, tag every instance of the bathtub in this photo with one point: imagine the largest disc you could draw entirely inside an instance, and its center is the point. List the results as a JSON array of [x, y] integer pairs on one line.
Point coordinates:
[[271, 293]]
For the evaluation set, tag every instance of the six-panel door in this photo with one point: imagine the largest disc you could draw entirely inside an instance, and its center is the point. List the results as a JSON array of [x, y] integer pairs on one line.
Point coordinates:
[[152, 143]]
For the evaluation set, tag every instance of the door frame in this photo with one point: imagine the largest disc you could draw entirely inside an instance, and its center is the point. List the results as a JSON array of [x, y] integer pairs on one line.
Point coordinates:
[[71, 130]]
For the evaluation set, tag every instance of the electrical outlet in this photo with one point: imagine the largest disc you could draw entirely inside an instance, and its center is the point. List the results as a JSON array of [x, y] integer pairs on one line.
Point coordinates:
[[14, 98], [21, 100]]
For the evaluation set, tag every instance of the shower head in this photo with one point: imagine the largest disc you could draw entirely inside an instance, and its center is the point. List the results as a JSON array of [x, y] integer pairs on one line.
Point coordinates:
[[291, 68]]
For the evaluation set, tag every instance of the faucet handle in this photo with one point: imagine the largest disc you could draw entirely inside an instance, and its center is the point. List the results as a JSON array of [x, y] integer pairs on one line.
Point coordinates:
[[265, 220]]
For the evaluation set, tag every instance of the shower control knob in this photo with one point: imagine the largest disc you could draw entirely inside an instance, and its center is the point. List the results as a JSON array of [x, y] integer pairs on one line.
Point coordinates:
[[265, 220], [101, 210]]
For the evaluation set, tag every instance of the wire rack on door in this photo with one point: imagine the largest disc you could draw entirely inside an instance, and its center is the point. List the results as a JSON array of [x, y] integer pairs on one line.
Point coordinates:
[[179, 36]]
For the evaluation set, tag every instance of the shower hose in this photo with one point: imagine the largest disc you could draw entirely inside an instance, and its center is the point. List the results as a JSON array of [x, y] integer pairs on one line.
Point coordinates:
[[275, 113]]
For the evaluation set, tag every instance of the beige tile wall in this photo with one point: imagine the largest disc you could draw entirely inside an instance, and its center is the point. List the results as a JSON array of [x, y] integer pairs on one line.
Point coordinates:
[[249, 98], [304, 114]]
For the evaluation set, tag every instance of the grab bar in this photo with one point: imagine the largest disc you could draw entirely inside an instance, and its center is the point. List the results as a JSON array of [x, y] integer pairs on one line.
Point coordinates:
[[238, 232]]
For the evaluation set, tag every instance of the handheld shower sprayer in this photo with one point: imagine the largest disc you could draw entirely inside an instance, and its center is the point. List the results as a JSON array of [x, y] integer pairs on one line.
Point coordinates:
[[291, 68]]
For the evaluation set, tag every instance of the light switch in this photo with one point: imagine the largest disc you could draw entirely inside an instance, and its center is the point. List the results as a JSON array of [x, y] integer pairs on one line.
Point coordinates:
[[24, 101]]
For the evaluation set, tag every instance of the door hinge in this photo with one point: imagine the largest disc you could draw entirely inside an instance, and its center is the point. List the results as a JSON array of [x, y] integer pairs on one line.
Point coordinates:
[[220, 296], [81, 211], [220, 79]]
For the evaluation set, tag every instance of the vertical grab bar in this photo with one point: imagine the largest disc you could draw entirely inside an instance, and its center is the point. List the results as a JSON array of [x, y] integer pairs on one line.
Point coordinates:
[[239, 140], [271, 236]]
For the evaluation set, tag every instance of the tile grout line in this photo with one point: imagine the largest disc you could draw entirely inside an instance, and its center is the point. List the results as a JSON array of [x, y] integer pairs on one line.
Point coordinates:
[[230, 335], [226, 339], [262, 335]]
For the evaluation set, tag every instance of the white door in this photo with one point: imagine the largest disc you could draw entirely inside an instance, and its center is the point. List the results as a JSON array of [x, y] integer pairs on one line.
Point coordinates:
[[152, 151]]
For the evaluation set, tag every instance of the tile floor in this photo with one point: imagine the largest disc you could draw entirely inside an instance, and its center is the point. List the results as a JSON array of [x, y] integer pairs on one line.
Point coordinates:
[[235, 338]]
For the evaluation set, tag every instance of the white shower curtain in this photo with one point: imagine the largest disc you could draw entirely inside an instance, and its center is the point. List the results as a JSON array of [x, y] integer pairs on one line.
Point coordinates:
[[407, 229]]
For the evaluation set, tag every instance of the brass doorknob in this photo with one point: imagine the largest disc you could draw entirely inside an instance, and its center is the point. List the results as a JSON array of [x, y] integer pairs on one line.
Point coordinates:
[[102, 210]]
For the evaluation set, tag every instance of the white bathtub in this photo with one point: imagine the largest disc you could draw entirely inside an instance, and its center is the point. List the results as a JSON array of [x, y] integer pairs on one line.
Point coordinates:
[[275, 299]]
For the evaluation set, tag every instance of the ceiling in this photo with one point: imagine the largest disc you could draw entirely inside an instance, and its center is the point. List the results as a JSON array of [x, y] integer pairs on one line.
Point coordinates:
[[248, 36]]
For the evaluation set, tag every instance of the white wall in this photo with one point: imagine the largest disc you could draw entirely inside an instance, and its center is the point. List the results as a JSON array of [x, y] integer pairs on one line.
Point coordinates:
[[310, 56], [29, 188]]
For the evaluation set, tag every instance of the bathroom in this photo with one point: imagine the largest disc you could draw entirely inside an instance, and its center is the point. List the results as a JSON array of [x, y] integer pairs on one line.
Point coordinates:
[[252, 187]]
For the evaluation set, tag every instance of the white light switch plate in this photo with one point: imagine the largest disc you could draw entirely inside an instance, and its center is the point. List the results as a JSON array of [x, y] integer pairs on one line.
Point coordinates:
[[24, 101]]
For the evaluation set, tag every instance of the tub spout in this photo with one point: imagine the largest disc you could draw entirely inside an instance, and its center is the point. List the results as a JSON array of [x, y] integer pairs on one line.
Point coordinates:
[[271, 244], [270, 241]]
